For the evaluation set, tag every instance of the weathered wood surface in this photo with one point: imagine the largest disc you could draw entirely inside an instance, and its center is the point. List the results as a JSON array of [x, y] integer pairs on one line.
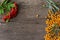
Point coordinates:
[[25, 26]]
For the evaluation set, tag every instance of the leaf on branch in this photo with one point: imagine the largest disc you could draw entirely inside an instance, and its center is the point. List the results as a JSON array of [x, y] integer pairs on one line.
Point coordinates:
[[1, 10], [8, 6]]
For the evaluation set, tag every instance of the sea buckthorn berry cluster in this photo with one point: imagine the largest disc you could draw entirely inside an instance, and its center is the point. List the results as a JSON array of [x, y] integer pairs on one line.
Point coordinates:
[[53, 26], [53, 21]]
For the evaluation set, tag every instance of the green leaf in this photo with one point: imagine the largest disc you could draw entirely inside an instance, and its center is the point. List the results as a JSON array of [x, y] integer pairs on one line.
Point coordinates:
[[1, 10], [4, 2], [10, 4], [7, 6]]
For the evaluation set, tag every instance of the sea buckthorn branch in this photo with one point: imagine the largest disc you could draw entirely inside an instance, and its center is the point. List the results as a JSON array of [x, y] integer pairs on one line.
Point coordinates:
[[10, 8], [11, 14], [53, 22], [53, 26]]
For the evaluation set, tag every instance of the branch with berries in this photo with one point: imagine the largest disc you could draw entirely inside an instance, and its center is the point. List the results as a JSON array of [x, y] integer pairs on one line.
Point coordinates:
[[10, 8], [53, 21]]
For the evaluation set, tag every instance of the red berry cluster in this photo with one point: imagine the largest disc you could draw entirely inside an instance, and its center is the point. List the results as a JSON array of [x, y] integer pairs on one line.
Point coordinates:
[[10, 14]]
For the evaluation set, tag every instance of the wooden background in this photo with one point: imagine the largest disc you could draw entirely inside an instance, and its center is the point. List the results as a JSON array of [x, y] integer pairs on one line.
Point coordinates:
[[25, 26]]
